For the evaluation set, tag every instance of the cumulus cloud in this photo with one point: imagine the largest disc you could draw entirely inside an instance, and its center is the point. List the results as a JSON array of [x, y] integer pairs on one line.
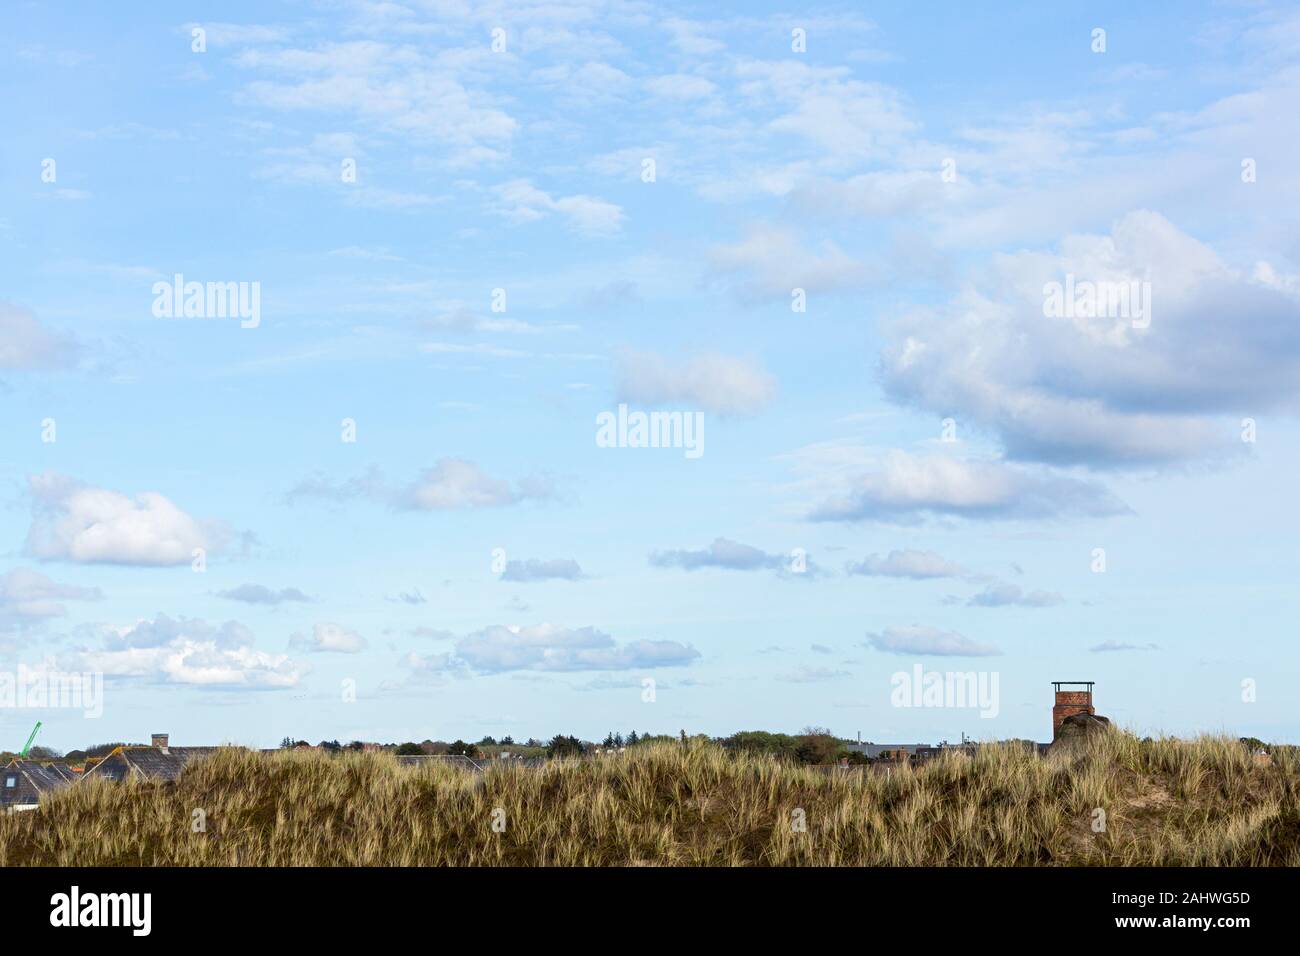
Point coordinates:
[[546, 647], [261, 594], [452, 484], [1010, 595], [920, 639], [27, 596], [565, 569], [908, 488], [330, 638], [722, 384], [728, 554], [1106, 387], [76, 522], [26, 344], [186, 651], [918, 565]]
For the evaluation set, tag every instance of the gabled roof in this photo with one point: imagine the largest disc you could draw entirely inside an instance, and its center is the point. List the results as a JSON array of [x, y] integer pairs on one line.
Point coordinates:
[[64, 771], [152, 763], [29, 780]]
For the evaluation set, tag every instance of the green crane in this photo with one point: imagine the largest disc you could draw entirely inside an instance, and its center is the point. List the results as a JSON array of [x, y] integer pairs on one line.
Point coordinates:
[[28, 745]]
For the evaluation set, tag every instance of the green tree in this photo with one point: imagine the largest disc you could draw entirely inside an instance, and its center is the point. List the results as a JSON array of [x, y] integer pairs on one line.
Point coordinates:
[[817, 745], [409, 749], [562, 746], [458, 748]]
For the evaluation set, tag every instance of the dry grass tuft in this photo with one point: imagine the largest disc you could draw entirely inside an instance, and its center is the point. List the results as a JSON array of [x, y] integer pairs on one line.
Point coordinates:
[[1166, 802]]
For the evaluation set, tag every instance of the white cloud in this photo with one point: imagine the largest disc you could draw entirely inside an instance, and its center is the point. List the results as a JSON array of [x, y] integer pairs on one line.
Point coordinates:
[[27, 596], [455, 484], [722, 384], [770, 263], [906, 488], [584, 85], [875, 195], [520, 201], [920, 639], [261, 594], [451, 484], [1104, 391], [680, 86], [730, 555], [565, 569], [330, 638], [1010, 595], [907, 564], [397, 89], [812, 675], [187, 651], [26, 344], [461, 318], [848, 120], [546, 647], [76, 522], [1107, 647], [691, 37], [238, 34]]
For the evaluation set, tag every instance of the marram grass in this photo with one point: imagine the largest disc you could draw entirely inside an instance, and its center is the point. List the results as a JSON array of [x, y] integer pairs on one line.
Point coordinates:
[[1165, 802]]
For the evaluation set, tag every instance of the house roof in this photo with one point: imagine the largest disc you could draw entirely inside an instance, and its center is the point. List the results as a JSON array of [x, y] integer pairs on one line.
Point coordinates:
[[29, 780], [152, 763]]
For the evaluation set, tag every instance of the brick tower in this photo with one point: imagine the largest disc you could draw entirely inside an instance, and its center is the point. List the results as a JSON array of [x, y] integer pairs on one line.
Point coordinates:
[[1071, 702]]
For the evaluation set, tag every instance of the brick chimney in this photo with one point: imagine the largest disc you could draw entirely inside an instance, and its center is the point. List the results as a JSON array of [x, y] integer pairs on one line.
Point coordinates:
[[1078, 700], [159, 741]]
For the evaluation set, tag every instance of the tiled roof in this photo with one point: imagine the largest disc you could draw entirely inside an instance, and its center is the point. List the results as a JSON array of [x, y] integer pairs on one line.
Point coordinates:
[[150, 762], [30, 780]]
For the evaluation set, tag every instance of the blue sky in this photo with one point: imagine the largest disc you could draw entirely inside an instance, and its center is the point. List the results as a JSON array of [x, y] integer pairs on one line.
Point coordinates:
[[921, 176]]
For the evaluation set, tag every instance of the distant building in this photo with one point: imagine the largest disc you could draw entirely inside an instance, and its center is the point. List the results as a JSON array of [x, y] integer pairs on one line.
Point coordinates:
[[1070, 702], [159, 761], [886, 751], [23, 782]]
